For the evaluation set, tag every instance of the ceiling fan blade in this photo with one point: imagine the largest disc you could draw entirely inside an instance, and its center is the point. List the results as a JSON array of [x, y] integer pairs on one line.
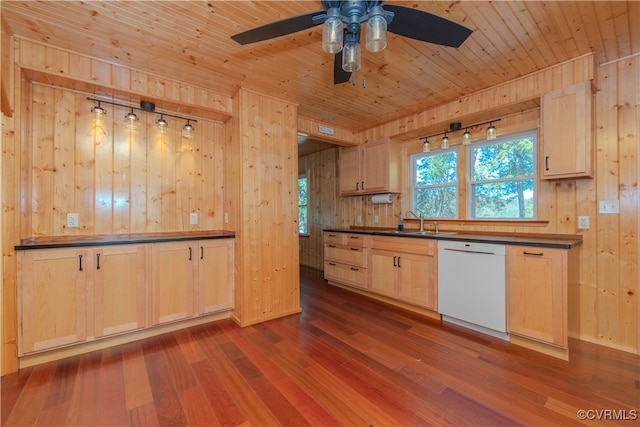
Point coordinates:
[[278, 28], [339, 75], [426, 27]]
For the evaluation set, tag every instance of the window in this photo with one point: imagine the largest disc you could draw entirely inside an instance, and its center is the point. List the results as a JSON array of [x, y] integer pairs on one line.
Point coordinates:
[[502, 177], [434, 183], [303, 227]]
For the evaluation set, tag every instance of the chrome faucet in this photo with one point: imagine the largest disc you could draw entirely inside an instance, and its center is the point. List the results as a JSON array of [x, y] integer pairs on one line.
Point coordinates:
[[435, 223], [420, 217]]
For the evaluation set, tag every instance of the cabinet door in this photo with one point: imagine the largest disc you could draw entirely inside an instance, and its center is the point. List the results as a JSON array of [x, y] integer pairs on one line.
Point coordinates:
[[215, 275], [537, 293], [350, 180], [172, 281], [119, 289], [375, 170], [567, 133], [51, 298], [382, 272], [417, 280]]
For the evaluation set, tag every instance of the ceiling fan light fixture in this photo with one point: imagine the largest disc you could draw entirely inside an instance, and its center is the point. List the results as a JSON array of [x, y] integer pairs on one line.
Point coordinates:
[[376, 33], [332, 32], [351, 56]]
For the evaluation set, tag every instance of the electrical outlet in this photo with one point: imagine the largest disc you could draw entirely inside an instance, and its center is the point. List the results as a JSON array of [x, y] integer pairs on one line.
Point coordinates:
[[359, 219], [583, 223], [609, 206], [72, 220], [193, 218], [376, 219], [226, 218]]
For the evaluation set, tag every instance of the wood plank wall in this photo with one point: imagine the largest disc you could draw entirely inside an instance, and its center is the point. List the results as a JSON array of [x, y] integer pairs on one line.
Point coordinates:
[[117, 179], [604, 309], [262, 194]]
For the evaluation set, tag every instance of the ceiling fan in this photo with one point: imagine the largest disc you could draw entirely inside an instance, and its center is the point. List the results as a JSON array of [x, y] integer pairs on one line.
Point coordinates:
[[342, 21]]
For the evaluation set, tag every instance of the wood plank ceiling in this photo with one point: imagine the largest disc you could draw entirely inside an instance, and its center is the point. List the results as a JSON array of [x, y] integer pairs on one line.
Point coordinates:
[[190, 40]]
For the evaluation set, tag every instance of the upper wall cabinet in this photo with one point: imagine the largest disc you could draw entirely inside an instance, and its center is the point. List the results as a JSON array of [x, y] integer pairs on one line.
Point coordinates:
[[567, 141], [370, 168]]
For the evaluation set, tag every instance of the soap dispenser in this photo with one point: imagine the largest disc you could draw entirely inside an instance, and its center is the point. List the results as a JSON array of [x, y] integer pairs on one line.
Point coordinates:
[[400, 223]]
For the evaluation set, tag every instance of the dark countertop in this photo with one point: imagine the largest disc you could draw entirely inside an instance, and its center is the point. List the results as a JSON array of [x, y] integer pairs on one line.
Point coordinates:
[[559, 241], [50, 242]]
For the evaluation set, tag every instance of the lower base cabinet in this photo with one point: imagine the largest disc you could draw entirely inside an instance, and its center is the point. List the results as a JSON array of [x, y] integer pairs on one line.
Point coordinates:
[[405, 269], [537, 284], [68, 296]]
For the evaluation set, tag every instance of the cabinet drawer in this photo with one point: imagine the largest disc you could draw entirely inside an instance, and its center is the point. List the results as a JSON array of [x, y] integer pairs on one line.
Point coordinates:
[[335, 238], [413, 245], [355, 276], [352, 255]]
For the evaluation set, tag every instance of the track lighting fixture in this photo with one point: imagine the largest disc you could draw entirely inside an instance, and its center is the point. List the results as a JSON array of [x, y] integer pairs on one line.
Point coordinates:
[[466, 136], [131, 117]]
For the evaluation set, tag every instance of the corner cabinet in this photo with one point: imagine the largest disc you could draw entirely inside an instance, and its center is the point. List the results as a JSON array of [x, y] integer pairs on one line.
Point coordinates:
[[370, 168], [567, 133], [538, 281], [74, 295]]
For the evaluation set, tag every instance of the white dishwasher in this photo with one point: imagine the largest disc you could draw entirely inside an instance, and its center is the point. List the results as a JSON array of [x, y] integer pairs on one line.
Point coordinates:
[[472, 286]]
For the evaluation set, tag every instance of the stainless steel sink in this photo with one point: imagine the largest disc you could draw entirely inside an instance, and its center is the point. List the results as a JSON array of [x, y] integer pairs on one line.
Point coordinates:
[[431, 233]]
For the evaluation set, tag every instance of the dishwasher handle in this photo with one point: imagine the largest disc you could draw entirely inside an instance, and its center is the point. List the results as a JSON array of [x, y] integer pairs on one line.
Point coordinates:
[[466, 251]]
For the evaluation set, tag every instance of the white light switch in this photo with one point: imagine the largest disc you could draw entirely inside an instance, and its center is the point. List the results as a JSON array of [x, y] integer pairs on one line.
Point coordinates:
[[609, 206], [193, 218]]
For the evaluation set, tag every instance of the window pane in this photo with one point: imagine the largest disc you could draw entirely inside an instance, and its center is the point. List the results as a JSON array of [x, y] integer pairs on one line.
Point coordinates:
[[436, 168], [437, 202], [506, 199], [509, 159], [302, 220]]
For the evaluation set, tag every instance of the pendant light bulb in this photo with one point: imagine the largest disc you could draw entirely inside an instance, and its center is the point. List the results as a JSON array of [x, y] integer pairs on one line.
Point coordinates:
[[492, 132], [445, 141], [332, 32], [466, 137], [351, 54], [187, 130], [426, 146], [99, 112], [162, 124], [376, 33], [130, 119]]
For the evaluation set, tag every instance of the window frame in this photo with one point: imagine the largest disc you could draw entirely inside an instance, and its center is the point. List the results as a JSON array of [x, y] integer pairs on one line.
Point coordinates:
[[470, 202], [412, 180]]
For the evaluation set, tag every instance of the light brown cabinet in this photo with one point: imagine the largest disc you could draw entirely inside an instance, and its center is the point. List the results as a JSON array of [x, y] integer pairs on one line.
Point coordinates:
[[567, 141], [68, 296], [346, 258], [537, 288], [370, 168], [405, 269], [119, 301], [52, 298]]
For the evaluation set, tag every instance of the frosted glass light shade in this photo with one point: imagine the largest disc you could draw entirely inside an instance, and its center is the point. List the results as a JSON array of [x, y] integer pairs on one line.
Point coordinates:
[[466, 137], [492, 132]]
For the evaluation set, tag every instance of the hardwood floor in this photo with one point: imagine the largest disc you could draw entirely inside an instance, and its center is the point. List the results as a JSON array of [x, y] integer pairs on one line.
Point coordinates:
[[345, 360]]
